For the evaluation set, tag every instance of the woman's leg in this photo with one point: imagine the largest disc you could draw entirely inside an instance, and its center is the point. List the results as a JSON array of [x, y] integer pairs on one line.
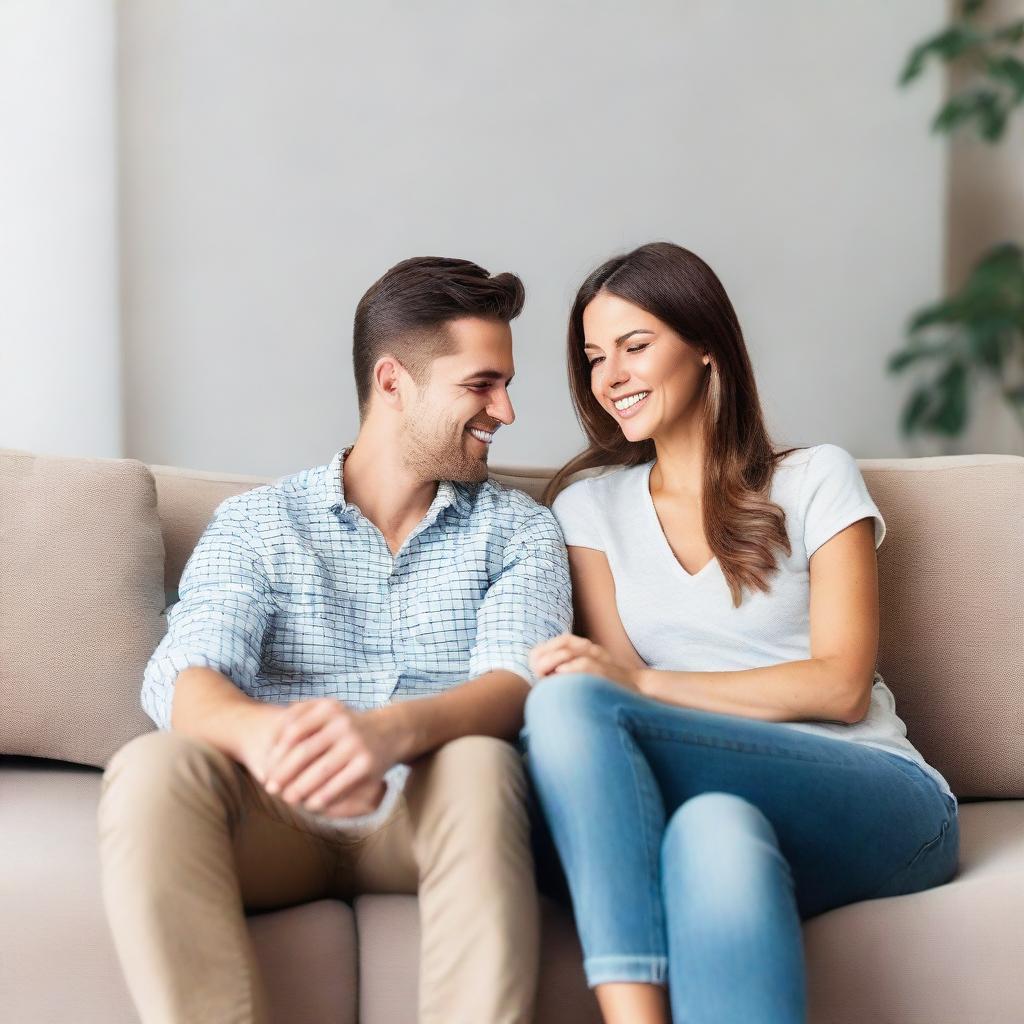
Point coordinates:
[[731, 915], [851, 823]]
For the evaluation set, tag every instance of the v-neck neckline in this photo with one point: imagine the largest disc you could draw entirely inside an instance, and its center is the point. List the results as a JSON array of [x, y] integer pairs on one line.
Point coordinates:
[[655, 523]]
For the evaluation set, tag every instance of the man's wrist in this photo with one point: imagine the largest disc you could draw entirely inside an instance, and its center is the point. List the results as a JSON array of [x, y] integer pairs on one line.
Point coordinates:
[[397, 727]]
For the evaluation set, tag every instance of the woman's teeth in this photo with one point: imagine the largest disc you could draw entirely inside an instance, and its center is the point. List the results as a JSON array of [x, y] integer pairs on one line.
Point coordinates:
[[481, 435], [625, 404]]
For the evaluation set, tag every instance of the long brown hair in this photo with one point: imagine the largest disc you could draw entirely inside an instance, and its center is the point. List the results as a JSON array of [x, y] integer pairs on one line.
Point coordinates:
[[744, 529]]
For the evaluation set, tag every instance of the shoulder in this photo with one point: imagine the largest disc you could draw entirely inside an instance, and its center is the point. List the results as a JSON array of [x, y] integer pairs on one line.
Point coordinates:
[[492, 504], [804, 468], [286, 501], [597, 492]]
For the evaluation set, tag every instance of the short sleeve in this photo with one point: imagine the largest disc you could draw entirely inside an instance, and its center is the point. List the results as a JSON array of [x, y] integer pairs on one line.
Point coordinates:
[[224, 609], [834, 496], [529, 602], [576, 513]]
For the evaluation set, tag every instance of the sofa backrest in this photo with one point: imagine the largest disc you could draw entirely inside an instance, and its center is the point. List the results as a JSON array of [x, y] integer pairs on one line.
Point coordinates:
[[950, 587]]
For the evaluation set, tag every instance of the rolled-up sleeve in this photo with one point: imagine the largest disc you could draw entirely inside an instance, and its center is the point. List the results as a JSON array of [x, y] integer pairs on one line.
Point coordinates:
[[224, 608], [531, 601]]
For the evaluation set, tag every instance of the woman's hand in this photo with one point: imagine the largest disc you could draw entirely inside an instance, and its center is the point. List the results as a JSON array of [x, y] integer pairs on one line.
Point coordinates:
[[567, 654]]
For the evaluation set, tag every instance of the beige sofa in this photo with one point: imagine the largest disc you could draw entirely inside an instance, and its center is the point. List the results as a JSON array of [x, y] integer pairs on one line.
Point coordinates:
[[87, 550]]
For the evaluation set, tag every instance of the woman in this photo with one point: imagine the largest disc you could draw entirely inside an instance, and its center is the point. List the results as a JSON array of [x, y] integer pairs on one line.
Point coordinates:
[[714, 754]]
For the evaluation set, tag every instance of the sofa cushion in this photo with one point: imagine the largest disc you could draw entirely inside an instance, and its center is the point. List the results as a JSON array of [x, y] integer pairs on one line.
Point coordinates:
[[57, 959], [952, 612], [946, 956], [81, 593]]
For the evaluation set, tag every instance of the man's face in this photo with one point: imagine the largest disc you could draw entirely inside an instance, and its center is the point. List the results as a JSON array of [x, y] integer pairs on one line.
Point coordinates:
[[463, 401]]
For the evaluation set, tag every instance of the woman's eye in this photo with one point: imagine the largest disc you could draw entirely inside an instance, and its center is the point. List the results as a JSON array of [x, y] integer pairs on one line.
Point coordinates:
[[638, 348], [594, 362]]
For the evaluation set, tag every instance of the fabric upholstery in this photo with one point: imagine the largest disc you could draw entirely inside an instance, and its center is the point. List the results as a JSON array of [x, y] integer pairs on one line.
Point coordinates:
[[80, 602], [57, 959], [952, 613]]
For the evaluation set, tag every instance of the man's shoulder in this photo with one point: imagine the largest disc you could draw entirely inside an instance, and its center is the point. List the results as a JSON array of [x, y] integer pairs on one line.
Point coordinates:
[[491, 501], [283, 498]]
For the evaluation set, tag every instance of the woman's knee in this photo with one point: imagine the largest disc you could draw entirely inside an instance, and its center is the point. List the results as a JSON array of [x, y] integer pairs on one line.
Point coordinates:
[[720, 838], [559, 703]]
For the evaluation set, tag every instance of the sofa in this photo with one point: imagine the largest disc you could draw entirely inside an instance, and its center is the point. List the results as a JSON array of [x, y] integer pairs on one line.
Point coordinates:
[[90, 554]]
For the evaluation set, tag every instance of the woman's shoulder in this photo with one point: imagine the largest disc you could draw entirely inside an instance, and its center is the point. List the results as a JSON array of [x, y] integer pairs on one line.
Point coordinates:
[[586, 505], [803, 466], [602, 484], [820, 455]]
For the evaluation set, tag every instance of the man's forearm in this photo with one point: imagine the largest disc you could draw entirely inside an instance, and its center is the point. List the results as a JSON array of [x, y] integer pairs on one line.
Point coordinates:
[[490, 705], [208, 706]]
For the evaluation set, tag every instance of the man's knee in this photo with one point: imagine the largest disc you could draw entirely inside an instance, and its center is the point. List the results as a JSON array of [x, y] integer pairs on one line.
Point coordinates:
[[158, 766], [474, 786]]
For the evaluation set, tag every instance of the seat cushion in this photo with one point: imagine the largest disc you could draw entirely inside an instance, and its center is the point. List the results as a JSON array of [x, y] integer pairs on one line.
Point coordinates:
[[57, 959], [81, 565], [946, 956]]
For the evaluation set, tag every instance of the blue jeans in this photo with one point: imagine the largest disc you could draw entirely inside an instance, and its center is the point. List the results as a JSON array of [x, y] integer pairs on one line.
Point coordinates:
[[694, 843]]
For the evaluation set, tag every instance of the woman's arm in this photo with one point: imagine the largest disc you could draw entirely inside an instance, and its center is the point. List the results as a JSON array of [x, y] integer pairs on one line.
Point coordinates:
[[834, 684], [595, 614]]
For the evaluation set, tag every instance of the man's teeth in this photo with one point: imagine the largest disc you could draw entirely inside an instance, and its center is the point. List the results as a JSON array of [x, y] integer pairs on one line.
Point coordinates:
[[624, 403], [481, 435]]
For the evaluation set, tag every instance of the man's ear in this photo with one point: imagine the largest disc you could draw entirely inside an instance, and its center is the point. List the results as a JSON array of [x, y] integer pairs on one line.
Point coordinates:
[[391, 382]]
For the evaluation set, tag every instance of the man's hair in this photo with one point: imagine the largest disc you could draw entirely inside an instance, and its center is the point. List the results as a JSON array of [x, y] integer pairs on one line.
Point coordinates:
[[404, 314]]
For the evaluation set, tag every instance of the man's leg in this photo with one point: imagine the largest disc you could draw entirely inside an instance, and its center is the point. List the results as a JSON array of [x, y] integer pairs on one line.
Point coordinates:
[[462, 832], [188, 842]]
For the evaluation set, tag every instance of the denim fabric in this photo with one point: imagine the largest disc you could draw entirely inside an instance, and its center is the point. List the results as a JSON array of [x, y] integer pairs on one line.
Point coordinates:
[[695, 843]]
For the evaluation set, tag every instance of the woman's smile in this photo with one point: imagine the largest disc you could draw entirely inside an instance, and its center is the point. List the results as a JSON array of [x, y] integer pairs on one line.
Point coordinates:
[[629, 405]]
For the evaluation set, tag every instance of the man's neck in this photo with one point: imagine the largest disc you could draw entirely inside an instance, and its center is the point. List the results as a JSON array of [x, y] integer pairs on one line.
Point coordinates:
[[379, 483]]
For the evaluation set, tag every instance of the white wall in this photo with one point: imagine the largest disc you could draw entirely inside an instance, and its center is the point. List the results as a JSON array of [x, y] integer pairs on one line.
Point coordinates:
[[278, 157], [60, 360]]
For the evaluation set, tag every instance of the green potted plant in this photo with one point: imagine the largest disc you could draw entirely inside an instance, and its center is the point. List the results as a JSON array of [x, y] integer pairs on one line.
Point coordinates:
[[979, 330]]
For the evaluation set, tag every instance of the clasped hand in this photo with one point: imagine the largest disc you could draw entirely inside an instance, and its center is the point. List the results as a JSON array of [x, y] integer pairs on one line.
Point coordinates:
[[575, 654], [326, 757]]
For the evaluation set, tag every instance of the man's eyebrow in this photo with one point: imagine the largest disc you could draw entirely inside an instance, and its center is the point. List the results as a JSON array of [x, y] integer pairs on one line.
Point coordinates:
[[489, 375], [621, 338]]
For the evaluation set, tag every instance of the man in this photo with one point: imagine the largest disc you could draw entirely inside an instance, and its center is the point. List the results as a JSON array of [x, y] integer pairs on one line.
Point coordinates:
[[310, 613]]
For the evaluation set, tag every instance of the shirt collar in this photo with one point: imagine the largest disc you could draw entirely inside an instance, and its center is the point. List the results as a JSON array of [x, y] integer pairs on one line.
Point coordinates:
[[331, 489]]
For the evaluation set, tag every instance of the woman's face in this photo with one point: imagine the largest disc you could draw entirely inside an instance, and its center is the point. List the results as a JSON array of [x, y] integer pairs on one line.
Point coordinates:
[[646, 377]]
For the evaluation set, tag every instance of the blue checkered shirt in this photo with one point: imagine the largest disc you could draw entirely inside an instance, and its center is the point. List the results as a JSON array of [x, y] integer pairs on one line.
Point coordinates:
[[292, 593]]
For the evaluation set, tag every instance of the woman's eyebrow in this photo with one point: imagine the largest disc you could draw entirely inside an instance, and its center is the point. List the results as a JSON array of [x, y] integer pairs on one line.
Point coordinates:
[[620, 339]]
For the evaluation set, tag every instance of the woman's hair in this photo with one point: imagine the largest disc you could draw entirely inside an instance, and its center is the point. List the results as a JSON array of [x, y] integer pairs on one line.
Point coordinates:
[[405, 312], [744, 529]]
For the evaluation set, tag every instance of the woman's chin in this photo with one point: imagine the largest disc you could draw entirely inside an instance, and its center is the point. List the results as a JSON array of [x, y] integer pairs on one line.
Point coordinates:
[[635, 433]]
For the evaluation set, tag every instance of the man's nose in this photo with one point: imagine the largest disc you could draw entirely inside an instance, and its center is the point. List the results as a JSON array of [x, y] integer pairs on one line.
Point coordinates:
[[501, 408]]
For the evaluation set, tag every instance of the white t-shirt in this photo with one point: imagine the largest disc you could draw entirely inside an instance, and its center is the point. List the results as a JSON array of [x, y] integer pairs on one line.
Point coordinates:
[[683, 622]]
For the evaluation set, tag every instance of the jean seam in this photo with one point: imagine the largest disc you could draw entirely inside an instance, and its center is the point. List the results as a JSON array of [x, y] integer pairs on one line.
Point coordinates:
[[654, 855], [683, 736], [922, 851]]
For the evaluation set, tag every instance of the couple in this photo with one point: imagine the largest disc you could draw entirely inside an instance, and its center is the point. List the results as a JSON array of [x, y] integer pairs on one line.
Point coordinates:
[[714, 755]]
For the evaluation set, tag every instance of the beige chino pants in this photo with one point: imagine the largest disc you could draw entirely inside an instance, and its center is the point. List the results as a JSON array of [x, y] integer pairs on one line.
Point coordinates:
[[189, 842]]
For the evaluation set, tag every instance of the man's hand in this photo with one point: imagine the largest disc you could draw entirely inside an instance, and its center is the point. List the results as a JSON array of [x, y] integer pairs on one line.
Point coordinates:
[[330, 758]]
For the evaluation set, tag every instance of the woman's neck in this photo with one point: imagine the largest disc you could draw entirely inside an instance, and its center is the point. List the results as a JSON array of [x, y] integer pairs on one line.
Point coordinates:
[[679, 467]]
